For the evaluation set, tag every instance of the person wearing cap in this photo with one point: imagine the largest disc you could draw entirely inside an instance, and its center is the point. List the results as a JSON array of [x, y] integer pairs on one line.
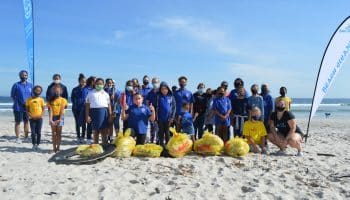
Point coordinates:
[[56, 81], [20, 92]]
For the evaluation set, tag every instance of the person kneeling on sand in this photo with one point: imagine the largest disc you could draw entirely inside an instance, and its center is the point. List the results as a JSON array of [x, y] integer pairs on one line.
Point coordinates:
[[255, 132], [283, 129]]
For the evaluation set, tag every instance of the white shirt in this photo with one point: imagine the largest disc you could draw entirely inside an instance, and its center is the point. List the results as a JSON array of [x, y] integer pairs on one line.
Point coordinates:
[[98, 99]]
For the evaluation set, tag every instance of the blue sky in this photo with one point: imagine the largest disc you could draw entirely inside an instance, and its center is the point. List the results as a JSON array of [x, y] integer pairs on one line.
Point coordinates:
[[280, 43]]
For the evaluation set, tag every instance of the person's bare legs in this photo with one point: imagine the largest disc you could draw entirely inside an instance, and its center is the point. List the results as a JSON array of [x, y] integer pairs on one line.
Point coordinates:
[[277, 140], [58, 137], [26, 129], [294, 141], [96, 136], [17, 126], [104, 134], [53, 129]]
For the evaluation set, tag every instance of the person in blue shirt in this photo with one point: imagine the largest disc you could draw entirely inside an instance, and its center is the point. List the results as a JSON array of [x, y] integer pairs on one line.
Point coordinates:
[[90, 85], [56, 78], [238, 83], [78, 105], [20, 91], [186, 121], [145, 88], [126, 99], [268, 104], [165, 112], [256, 101], [222, 109], [182, 95], [239, 112], [114, 95], [152, 99], [138, 116]]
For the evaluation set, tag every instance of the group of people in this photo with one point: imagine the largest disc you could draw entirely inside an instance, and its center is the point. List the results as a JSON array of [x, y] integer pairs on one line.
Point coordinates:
[[99, 107]]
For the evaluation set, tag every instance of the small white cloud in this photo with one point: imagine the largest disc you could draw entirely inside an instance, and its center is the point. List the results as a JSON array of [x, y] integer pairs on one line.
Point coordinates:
[[201, 31], [118, 34]]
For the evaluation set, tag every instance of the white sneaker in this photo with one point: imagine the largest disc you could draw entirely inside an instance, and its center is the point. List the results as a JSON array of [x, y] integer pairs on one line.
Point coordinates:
[[37, 148], [18, 141], [34, 147], [89, 141]]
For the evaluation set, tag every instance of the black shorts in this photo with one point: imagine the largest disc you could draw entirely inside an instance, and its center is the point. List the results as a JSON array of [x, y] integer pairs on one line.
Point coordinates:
[[20, 116]]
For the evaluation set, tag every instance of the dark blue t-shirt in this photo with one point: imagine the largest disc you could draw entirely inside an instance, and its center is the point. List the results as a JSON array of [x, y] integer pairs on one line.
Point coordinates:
[[152, 96], [186, 120], [182, 96], [222, 105], [164, 108], [78, 98], [19, 93], [138, 118]]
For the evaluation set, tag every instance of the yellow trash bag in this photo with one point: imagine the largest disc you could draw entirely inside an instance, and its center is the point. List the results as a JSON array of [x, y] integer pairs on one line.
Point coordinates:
[[209, 144], [148, 150], [179, 145], [236, 147], [89, 150], [125, 144]]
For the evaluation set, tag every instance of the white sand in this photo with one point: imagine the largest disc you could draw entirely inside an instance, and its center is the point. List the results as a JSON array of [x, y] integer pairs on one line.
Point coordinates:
[[25, 174]]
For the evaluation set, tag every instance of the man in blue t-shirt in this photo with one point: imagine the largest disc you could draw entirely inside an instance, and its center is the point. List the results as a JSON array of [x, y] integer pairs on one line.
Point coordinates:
[[20, 91], [145, 89], [182, 95]]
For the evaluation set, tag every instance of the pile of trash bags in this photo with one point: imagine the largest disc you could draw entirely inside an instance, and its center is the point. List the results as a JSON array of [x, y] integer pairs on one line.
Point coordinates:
[[89, 150], [125, 144]]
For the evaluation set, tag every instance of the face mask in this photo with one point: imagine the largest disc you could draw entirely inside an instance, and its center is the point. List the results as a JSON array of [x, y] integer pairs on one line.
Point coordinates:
[[36, 94], [255, 118], [283, 93], [264, 90], [129, 88], [182, 85], [145, 82], [23, 79], [99, 87], [56, 95], [57, 81], [110, 87], [280, 109], [201, 90], [155, 85], [254, 91], [221, 94]]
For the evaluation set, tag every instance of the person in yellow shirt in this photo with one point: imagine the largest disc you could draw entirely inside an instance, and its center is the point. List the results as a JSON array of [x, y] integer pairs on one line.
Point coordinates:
[[255, 132], [283, 97], [56, 107], [35, 109]]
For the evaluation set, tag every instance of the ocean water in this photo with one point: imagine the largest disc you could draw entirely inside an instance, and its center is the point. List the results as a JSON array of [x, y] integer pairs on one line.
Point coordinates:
[[337, 107]]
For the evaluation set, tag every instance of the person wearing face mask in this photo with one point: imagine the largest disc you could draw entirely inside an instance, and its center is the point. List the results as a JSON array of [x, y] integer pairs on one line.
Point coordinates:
[[20, 92], [239, 112], [145, 88], [182, 95], [35, 109], [256, 101], [126, 99], [56, 106], [78, 105], [288, 100], [56, 81], [254, 131], [268, 104], [222, 110], [284, 130], [98, 111], [114, 95], [199, 109], [152, 99]]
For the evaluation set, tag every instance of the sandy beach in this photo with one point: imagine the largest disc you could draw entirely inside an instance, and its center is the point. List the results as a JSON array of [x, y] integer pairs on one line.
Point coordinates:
[[26, 174]]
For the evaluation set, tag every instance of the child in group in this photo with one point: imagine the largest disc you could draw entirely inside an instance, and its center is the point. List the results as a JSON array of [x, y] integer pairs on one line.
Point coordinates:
[[165, 112], [186, 120], [222, 110], [35, 110], [137, 116], [114, 95], [255, 132], [98, 111], [209, 120], [56, 105]]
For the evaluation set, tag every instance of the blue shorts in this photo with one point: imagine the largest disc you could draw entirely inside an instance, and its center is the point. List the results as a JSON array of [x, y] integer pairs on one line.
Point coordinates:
[[57, 117], [188, 130], [20, 116], [99, 118]]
